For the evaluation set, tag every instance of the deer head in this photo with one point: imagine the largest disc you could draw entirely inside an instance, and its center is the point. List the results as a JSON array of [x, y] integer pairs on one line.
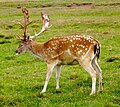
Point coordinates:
[[25, 42], [24, 46]]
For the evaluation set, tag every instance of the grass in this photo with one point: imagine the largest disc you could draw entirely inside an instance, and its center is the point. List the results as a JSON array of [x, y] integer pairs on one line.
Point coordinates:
[[22, 77]]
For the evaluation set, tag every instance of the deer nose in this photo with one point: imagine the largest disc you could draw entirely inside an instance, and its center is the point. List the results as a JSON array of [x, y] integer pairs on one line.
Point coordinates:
[[17, 52]]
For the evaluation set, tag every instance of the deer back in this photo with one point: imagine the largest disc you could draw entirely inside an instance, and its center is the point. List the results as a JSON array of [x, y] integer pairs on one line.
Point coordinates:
[[69, 48]]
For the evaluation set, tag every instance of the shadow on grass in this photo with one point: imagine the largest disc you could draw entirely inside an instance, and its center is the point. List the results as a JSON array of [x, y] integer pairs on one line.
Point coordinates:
[[4, 42], [113, 58]]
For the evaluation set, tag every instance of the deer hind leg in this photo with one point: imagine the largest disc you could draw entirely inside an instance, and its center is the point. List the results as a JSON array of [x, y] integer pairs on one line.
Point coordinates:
[[86, 64], [58, 76], [50, 68], [98, 71]]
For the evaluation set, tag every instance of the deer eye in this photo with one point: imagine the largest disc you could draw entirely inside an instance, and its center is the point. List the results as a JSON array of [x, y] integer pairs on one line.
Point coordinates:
[[21, 44]]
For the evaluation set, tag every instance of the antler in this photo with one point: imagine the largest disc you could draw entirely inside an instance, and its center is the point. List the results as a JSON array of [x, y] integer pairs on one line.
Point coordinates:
[[46, 22], [26, 21]]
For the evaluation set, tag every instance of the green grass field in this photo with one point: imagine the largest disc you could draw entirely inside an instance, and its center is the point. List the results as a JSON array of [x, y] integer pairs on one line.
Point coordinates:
[[22, 77]]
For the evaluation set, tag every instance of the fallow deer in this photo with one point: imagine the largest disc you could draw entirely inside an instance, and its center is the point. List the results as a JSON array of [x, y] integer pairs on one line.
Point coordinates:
[[58, 51]]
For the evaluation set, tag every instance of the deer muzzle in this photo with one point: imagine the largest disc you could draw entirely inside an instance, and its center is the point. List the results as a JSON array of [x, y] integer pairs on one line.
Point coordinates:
[[17, 52]]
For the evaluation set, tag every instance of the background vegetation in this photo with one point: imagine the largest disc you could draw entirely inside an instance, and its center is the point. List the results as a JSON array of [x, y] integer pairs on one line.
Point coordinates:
[[22, 77]]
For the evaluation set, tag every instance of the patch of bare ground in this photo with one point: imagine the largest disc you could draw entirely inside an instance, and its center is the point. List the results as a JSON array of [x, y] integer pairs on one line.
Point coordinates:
[[80, 4], [110, 4], [91, 4]]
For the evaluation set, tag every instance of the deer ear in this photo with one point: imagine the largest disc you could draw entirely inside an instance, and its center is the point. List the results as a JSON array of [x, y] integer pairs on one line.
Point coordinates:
[[28, 37]]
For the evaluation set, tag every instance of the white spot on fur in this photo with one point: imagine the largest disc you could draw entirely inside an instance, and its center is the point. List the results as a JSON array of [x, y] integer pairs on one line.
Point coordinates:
[[74, 38], [86, 49], [83, 53], [79, 51], [87, 38], [71, 40], [72, 45]]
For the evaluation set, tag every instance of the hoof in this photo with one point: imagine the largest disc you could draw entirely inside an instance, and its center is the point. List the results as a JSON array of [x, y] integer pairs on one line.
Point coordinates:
[[93, 93], [41, 94]]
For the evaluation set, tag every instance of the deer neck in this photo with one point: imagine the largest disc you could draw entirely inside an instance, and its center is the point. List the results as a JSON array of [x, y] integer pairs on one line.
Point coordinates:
[[37, 49]]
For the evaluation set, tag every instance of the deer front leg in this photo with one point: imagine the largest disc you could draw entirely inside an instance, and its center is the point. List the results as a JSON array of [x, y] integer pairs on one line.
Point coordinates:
[[50, 68], [58, 76]]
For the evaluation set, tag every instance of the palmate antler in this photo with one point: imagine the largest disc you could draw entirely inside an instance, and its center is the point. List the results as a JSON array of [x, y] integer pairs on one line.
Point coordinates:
[[26, 21], [45, 20]]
